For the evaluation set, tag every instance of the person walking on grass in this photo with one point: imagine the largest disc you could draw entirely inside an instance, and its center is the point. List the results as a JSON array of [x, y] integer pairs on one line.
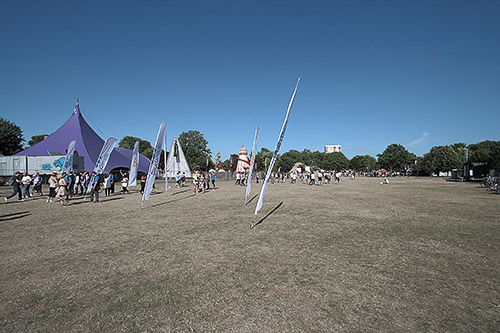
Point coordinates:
[[178, 179], [61, 189], [52, 188], [26, 181], [213, 180], [195, 182], [124, 183], [95, 183], [143, 183], [37, 184], [16, 186], [107, 185]]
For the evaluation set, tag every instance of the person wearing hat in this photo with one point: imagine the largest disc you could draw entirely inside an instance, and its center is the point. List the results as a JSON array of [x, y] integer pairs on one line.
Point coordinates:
[[16, 186]]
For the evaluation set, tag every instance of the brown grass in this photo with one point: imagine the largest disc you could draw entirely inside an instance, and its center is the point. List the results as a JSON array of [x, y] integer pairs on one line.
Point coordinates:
[[414, 255]]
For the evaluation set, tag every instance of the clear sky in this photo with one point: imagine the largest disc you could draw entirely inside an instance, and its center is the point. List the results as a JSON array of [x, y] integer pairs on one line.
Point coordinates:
[[419, 73]]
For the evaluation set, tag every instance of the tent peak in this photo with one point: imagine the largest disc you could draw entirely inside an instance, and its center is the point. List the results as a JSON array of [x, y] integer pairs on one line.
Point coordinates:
[[77, 108]]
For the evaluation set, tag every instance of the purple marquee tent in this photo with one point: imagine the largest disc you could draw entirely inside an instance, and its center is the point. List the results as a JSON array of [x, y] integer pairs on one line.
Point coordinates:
[[88, 145]]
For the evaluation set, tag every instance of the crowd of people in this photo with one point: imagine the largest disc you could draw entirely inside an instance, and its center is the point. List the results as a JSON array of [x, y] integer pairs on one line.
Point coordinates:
[[202, 181], [64, 186]]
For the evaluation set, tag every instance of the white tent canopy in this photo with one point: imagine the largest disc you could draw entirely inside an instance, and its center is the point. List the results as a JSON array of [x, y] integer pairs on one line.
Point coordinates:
[[176, 161]]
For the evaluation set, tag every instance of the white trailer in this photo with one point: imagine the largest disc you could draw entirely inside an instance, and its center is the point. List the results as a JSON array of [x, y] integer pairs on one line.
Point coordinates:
[[45, 165]]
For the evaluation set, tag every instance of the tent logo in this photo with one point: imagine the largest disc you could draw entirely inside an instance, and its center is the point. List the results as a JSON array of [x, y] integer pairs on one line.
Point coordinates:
[[59, 163]]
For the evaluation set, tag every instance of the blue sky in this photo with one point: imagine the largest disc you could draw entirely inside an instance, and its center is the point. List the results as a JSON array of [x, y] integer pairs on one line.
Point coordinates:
[[373, 73]]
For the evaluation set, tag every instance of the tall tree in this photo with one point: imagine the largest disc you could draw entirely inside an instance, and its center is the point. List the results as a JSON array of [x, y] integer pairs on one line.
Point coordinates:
[[442, 159], [11, 137], [261, 157], [194, 146], [484, 151], [145, 147], [394, 157], [288, 160], [362, 163], [334, 161], [36, 139], [316, 158], [306, 157]]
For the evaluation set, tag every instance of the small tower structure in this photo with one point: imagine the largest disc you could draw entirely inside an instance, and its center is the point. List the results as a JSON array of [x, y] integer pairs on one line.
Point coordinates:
[[243, 162]]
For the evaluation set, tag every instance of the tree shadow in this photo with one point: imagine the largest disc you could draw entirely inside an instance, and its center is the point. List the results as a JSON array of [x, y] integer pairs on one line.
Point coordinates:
[[267, 215], [14, 216]]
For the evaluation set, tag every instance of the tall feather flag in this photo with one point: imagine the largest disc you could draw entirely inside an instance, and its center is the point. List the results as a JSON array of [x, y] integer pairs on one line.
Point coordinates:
[[273, 160], [252, 161], [165, 160], [68, 162], [134, 164], [102, 160], [231, 161], [104, 155], [155, 159]]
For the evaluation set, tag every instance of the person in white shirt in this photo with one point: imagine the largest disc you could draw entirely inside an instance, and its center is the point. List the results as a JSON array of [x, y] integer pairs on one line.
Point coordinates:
[[26, 181]]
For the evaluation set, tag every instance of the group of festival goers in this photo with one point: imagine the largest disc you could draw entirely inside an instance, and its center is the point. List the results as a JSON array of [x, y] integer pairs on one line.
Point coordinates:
[[202, 180], [63, 186]]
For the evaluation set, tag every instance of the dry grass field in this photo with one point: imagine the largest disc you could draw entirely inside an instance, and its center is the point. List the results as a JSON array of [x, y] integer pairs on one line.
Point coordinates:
[[413, 255]]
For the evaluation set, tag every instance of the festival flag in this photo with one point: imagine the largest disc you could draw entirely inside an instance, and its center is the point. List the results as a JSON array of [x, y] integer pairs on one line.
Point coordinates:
[[68, 162], [265, 163], [231, 160], [252, 161], [103, 158], [220, 165], [104, 155], [207, 160], [165, 160], [275, 154], [134, 165], [155, 159], [255, 166]]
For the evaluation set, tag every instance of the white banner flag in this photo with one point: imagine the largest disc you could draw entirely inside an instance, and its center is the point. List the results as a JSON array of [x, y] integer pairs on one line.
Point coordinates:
[[165, 160], [103, 158], [252, 162], [155, 159], [134, 165], [68, 162], [276, 151], [104, 155]]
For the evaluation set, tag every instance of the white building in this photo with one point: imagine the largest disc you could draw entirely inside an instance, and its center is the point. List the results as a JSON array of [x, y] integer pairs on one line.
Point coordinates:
[[333, 148]]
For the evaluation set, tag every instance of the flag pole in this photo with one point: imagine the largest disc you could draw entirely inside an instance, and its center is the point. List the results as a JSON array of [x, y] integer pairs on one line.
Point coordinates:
[[252, 161], [165, 161], [275, 155]]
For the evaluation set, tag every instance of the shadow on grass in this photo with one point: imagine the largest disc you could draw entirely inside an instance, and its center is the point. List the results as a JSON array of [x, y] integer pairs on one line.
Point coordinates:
[[14, 216], [267, 215], [72, 203], [170, 201], [179, 192], [255, 196]]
